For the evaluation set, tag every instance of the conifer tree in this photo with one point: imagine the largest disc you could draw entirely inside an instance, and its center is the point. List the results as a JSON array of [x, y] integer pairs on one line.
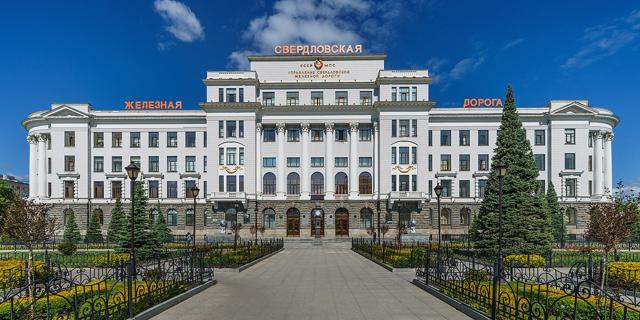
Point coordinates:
[[144, 240], [94, 234], [71, 232], [525, 220], [117, 223], [160, 228], [557, 225]]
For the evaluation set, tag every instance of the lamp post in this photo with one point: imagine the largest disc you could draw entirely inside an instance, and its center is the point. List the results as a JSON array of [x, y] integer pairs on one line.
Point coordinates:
[[132, 172], [562, 230], [194, 193], [501, 170], [235, 226], [438, 191]]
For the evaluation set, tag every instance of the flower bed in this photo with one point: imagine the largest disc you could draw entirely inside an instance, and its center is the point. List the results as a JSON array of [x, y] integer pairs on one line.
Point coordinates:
[[525, 260]]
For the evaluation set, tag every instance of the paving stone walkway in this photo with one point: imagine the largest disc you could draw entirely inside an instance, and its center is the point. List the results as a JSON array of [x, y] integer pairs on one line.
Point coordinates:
[[313, 283]]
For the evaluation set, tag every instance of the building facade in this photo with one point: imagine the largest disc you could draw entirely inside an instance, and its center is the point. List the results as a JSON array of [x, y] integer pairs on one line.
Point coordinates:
[[310, 146], [19, 187]]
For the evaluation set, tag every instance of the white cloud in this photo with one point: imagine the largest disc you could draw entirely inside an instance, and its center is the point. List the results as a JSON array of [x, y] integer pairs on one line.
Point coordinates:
[[605, 40], [513, 43], [179, 21], [457, 71]]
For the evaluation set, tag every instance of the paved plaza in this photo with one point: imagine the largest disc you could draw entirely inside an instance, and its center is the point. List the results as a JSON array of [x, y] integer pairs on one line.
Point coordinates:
[[321, 282]]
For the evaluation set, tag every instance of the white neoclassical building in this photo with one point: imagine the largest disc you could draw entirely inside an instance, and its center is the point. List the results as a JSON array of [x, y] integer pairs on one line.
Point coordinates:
[[310, 145]]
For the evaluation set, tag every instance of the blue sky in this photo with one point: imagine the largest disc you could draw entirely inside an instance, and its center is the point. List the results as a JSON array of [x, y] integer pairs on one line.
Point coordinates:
[[105, 52]]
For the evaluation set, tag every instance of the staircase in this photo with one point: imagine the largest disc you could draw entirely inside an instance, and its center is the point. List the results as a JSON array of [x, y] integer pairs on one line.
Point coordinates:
[[317, 242]]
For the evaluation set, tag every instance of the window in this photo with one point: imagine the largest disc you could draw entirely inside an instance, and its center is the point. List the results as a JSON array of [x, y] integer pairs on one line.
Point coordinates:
[[231, 128], [98, 139], [403, 153], [483, 162], [590, 140], [204, 164], [366, 98], [241, 95], [241, 128], [365, 161], [231, 184], [342, 134], [172, 216], [465, 186], [154, 164], [134, 139], [190, 164], [116, 139], [154, 139], [446, 188], [342, 183], [414, 155], [189, 217], [482, 188], [293, 183], [190, 139], [135, 160], [172, 189], [341, 98], [49, 165], [430, 138], [154, 188], [269, 218], [231, 94], [292, 98], [430, 165], [98, 164], [317, 162], [293, 134], [365, 134], [220, 128], [414, 182], [445, 137], [572, 216], [220, 95], [172, 139], [366, 218], [394, 128], [404, 182], [241, 156], [590, 187], [540, 163], [465, 216], [69, 139], [231, 156], [316, 98], [483, 137], [394, 94], [393, 183], [69, 163], [341, 162], [268, 162], [116, 189], [590, 164], [172, 164], [539, 137], [404, 128], [404, 93], [445, 162], [393, 155], [570, 185], [414, 93], [268, 98], [69, 190], [293, 162], [98, 189], [570, 161], [365, 183], [317, 184], [541, 187], [317, 135], [465, 137], [221, 183], [464, 162], [269, 183], [414, 128], [569, 136], [269, 135]]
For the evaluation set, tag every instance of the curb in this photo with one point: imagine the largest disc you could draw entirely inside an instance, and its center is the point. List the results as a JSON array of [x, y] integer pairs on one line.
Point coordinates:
[[159, 308], [248, 265], [474, 314], [384, 265]]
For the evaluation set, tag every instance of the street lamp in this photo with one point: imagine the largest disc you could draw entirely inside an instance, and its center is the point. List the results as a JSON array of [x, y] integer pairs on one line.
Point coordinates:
[[235, 226], [438, 190], [194, 193], [132, 172], [501, 170]]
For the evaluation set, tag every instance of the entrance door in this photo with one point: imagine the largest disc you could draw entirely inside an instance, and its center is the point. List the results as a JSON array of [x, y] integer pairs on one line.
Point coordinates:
[[293, 223], [342, 222], [317, 223]]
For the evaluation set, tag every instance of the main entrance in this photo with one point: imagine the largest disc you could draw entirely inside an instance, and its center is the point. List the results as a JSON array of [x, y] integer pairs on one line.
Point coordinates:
[[293, 222], [342, 222], [317, 223]]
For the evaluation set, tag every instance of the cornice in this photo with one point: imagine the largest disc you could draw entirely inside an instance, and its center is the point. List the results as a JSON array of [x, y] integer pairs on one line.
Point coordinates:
[[317, 85], [403, 80], [404, 104], [319, 56], [229, 82]]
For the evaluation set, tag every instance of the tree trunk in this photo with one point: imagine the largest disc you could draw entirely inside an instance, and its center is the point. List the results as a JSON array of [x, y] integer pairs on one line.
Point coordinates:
[[604, 271]]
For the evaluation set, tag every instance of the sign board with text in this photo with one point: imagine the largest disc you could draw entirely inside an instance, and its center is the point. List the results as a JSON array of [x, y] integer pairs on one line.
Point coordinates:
[[153, 105], [482, 103]]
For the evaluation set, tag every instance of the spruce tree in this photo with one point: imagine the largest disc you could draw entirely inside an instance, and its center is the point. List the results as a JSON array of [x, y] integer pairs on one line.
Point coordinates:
[[144, 240], [94, 234], [161, 230], [71, 232], [117, 223], [525, 220], [557, 225]]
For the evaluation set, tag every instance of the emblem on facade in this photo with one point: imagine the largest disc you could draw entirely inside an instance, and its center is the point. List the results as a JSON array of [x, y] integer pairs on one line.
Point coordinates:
[[232, 169], [404, 170], [318, 64]]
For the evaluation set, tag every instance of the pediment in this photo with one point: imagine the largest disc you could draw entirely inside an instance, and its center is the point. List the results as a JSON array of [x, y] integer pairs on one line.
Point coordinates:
[[574, 108], [65, 112]]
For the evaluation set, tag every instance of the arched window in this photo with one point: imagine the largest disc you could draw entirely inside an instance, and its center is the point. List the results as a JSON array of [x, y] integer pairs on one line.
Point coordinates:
[[572, 216], [342, 183], [269, 183], [189, 217], [230, 217], [269, 218], [405, 215], [293, 183], [67, 215], [445, 217], [172, 217], [317, 184], [365, 183], [465, 216], [100, 215], [366, 218], [153, 215]]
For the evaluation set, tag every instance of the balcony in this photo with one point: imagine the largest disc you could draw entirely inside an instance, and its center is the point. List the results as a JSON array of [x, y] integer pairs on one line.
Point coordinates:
[[227, 195], [408, 195]]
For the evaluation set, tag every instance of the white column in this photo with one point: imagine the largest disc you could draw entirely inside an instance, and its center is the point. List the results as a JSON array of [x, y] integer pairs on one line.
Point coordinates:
[[353, 160], [376, 157], [281, 178], [258, 159], [304, 178], [33, 166], [42, 166], [597, 165], [329, 186], [608, 167]]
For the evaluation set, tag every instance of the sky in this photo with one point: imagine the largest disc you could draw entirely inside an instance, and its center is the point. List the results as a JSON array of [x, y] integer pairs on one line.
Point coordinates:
[[107, 52]]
